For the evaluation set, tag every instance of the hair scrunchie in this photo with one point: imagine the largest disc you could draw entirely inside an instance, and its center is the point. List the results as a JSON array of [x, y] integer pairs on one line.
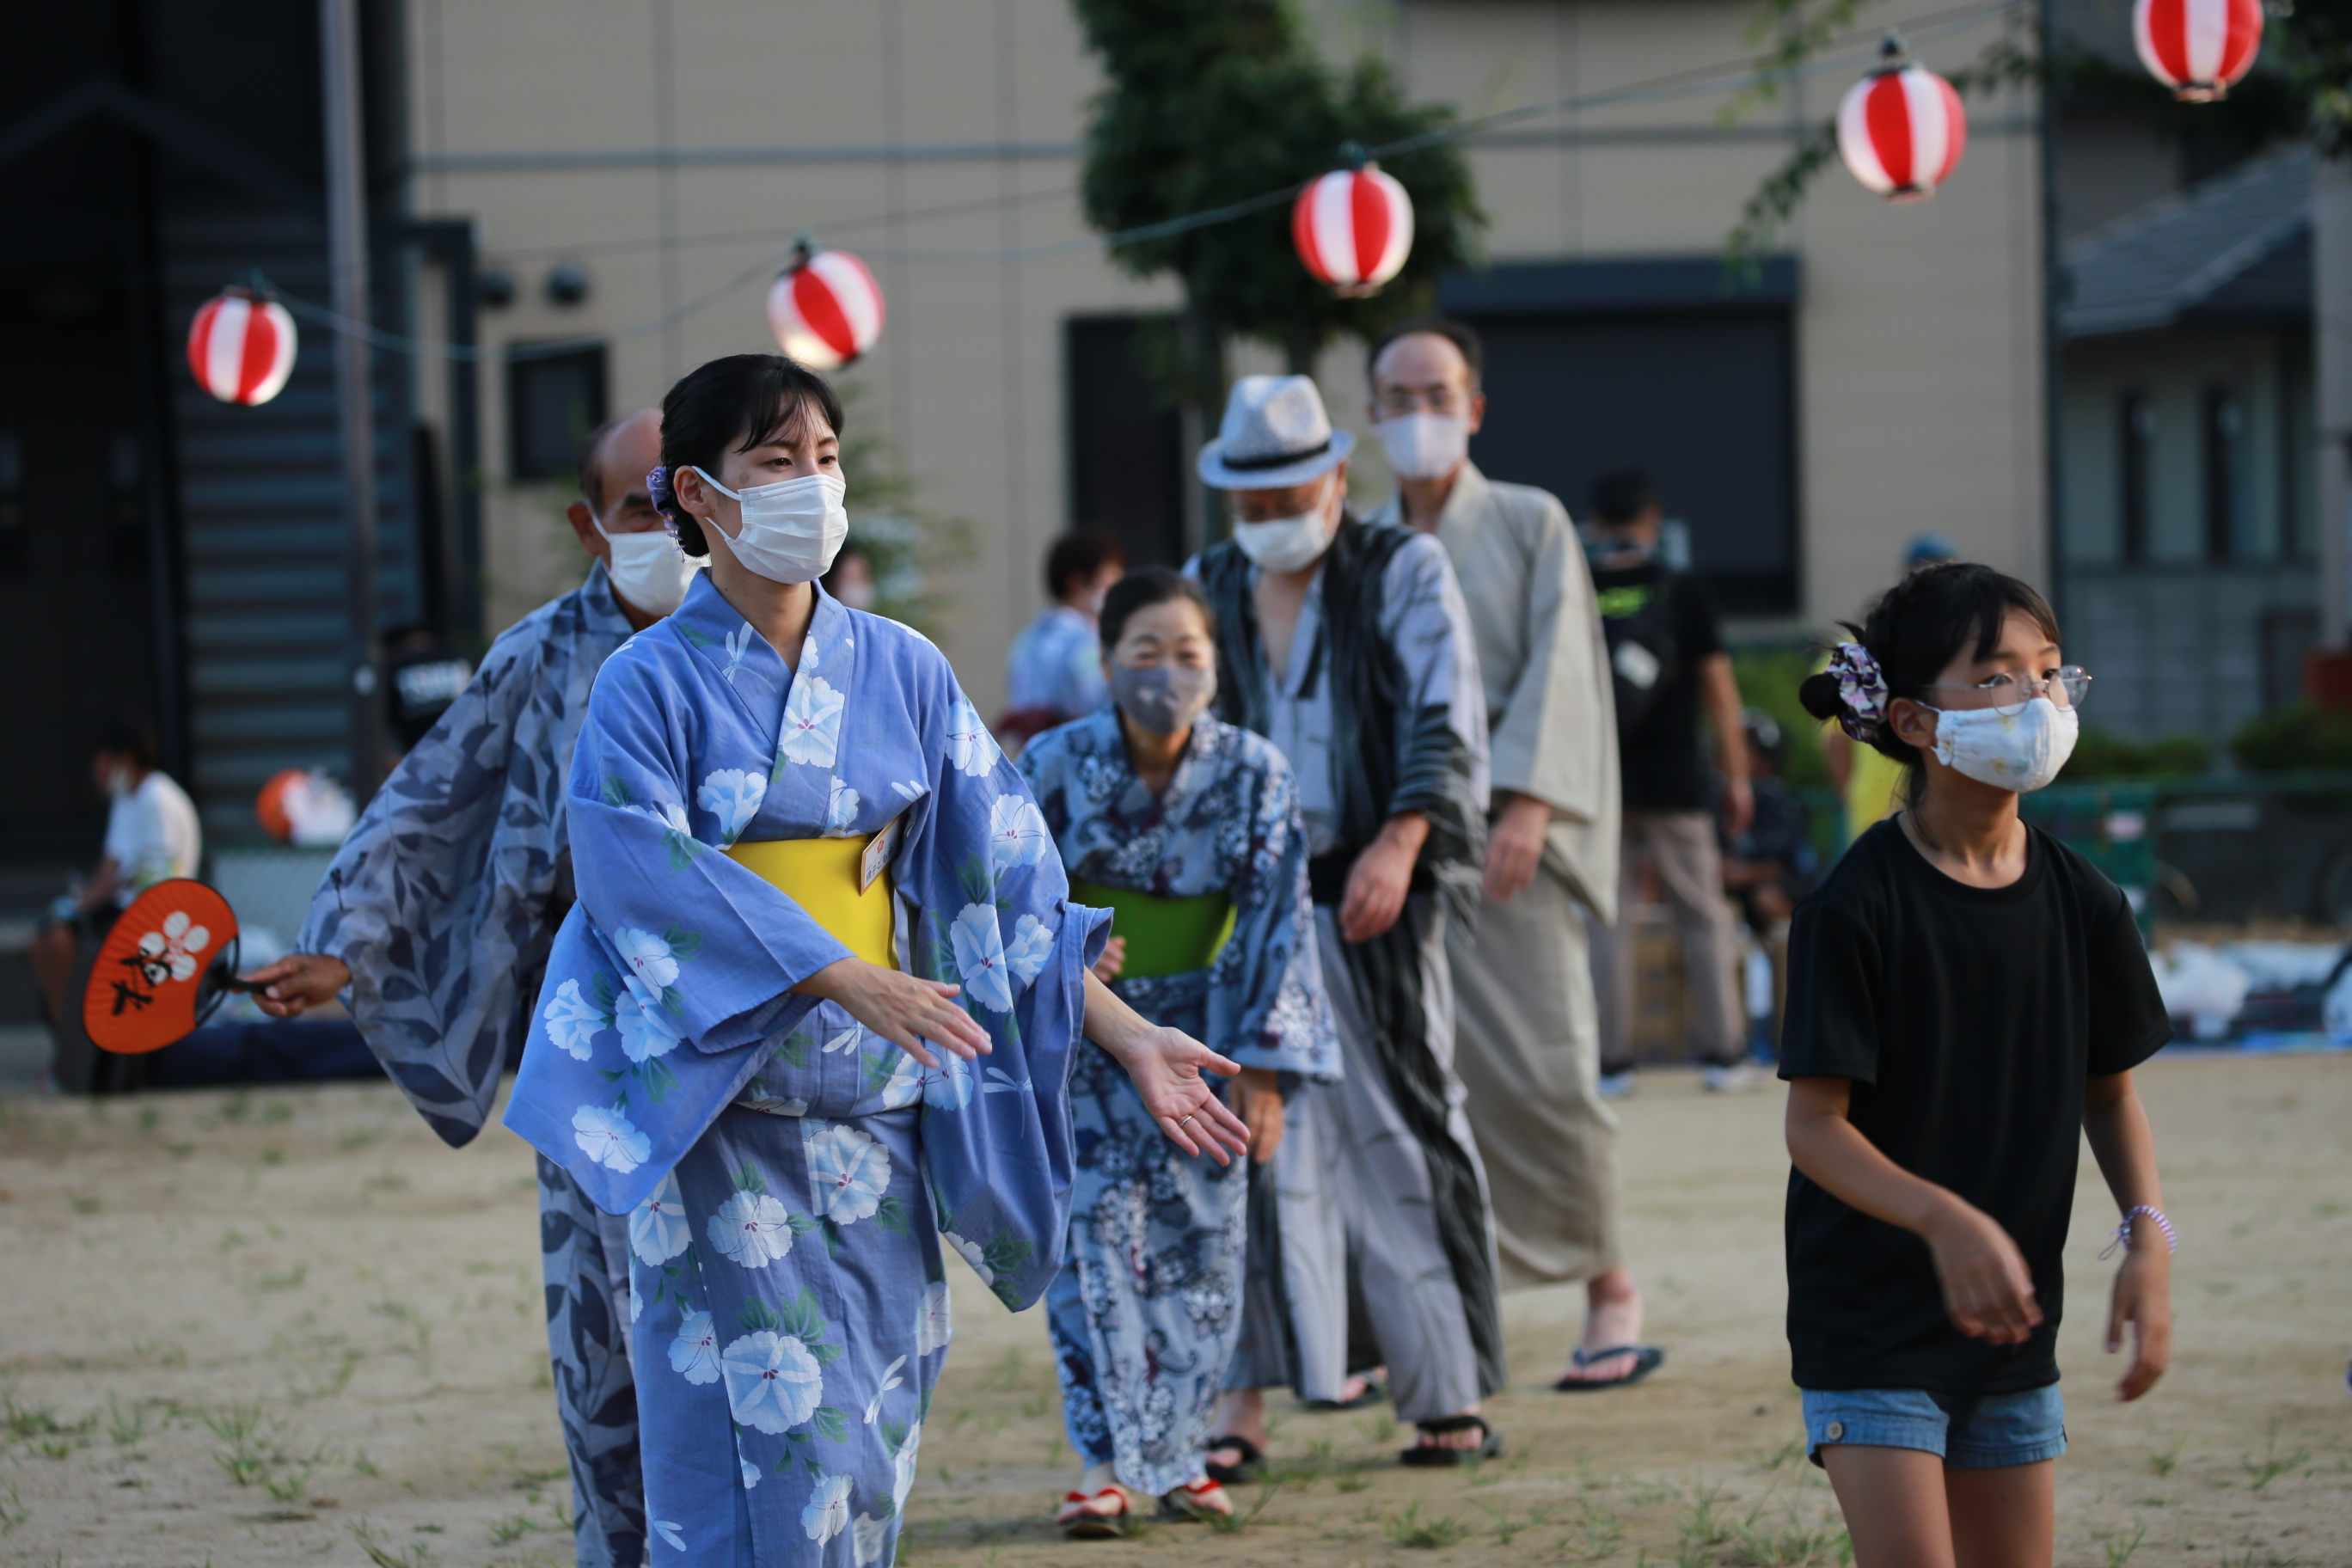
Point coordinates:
[[1861, 691], [665, 500]]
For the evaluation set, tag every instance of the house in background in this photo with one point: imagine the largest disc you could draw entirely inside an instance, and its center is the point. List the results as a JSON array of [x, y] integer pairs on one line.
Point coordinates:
[[2188, 534]]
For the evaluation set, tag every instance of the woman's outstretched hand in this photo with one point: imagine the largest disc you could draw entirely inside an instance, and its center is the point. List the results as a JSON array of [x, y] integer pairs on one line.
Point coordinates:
[[1165, 1066], [902, 1008], [297, 982]]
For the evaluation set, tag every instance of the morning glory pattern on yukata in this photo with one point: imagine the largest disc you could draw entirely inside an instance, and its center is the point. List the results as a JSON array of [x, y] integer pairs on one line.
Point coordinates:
[[1147, 1311], [789, 1177]]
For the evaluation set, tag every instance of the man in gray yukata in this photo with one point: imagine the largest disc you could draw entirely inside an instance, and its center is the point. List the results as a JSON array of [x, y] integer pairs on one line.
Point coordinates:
[[435, 921], [1529, 1041], [1347, 646]]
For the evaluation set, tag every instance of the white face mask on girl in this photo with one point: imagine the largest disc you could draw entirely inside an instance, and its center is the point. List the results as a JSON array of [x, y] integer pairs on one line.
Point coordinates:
[[1287, 543], [1425, 446], [648, 570], [2021, 750], [792, 529]]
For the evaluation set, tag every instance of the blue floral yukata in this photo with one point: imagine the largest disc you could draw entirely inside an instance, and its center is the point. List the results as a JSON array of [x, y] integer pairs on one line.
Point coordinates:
[[788, 1176], [442, 902], [1146, 1312]]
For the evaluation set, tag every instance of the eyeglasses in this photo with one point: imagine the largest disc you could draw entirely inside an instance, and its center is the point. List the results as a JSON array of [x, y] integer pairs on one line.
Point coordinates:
[[2066, 687], [1398, 403]]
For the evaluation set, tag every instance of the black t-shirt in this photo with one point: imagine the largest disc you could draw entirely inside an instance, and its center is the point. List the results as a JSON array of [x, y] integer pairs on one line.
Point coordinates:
[[1660, 762], [1967, 1019]]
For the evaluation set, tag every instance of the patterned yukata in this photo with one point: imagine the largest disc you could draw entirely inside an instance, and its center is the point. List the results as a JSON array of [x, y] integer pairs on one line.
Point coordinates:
[[442, 902], [785, 1172], [1145, 1313], [1379, 711]]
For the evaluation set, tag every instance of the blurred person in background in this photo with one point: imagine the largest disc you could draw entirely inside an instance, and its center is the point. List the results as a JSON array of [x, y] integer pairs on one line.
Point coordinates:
[[1866, 781], [1054, 672], [1769, 868], [1347, 644], [423, 676], [1527, 1037], [1669, 666], [850, 578], [436, 920], [151, 836]]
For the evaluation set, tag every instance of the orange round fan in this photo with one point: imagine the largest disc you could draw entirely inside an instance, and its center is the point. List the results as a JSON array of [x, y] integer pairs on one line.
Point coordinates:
[[169, 960]]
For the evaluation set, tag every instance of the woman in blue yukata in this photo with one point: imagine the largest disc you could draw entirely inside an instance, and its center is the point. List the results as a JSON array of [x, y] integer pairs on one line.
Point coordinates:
[[1189, 830], [816, 1007]]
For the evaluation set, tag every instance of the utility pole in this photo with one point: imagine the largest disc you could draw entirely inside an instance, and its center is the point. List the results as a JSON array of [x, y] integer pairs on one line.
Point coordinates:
[[347, 242]]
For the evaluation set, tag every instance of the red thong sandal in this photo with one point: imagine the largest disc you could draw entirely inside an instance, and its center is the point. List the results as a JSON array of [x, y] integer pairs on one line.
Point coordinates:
[[1197, 1500], [1101, 1517]]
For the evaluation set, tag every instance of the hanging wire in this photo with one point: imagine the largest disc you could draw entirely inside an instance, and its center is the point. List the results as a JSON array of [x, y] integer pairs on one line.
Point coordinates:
[[1702, 81]]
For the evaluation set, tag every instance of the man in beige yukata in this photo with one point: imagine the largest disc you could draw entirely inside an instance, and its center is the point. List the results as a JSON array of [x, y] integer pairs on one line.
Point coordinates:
[[1527, 1041]]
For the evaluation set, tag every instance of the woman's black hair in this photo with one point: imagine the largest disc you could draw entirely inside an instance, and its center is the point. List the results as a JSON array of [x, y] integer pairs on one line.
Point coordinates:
[[1140, 591], [737, 402], [1918, 626]]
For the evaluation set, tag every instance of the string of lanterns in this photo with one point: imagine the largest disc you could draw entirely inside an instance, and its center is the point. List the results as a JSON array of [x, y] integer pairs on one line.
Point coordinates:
[[1901, 132]]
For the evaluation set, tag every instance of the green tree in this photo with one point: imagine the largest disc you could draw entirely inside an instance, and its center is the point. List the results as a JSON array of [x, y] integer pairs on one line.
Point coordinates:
[[1217, 102], [2300, 87]]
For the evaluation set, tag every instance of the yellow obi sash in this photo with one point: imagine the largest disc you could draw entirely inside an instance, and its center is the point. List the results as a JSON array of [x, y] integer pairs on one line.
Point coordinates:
[[821, 875], [1164, 936]]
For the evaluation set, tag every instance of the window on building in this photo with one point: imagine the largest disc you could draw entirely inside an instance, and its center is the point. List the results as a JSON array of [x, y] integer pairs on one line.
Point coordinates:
[[1126, 459], [2287, 635], [2136, 450], [553, 400], [2224, 449]]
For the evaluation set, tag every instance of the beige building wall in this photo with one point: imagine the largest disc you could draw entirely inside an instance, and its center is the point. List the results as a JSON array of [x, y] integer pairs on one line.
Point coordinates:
[[595, 131]]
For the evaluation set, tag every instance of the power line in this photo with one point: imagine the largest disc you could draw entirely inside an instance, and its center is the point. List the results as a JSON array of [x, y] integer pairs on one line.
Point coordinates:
[[1698, 82]]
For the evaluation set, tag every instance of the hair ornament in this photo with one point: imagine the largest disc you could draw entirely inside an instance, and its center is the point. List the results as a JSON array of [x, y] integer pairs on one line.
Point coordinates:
[[1861, 691]]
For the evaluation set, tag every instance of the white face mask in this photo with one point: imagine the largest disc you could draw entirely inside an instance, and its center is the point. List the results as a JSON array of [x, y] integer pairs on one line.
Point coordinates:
[[1287, 543], [1425, 446], [792, 529], [648, 570], [2021, 750]]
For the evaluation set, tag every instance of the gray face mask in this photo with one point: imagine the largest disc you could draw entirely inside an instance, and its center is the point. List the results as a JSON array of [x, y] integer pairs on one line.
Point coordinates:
[[1163, 699]]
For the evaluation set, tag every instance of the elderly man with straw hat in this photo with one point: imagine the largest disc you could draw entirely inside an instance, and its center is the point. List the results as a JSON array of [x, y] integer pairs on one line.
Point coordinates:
[[1349, 646]]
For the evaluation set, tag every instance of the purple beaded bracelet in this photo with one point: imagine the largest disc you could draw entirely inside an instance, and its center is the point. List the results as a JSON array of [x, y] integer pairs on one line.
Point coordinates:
[[2124, 1232]]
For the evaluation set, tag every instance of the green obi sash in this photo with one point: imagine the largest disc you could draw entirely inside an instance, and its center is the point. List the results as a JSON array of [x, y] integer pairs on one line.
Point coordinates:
[[1164, 936]]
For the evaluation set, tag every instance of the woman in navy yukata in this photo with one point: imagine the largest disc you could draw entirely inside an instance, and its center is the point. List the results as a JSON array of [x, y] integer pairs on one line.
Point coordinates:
[[816, 1010], [1189, 830]]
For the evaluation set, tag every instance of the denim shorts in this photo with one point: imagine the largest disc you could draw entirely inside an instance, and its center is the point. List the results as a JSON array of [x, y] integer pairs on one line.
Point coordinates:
[[1968, 1432]]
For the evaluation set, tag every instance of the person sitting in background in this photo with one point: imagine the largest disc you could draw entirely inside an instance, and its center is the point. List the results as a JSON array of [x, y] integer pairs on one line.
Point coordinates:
[[151, 836], [1053, 673], [1769, 868]]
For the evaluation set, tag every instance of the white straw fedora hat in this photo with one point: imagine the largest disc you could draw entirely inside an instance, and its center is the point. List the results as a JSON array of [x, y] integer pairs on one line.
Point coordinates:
[[1274, 435]]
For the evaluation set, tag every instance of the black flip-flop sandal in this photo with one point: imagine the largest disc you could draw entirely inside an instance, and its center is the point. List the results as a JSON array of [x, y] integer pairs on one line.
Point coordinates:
[[1250, 1468], [1647, 1359], [1490, 1443], [1376, 1391]]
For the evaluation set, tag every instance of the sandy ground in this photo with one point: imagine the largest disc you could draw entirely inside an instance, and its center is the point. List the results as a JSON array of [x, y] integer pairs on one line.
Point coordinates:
[[292, 1327]]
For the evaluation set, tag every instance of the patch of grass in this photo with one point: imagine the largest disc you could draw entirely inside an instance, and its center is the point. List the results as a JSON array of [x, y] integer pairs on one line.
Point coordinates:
[[85, 1203], [2271, 1467], [2162, 1464], [1794, 1448], [1377, 1427], [1235, 1522], [1035, 1407], [1410, 1530], [378, 1552], [1792, 1543], [179, 1150], [1702, 1526], [359, 1137], [273, 1156], [1352, 1481], [149, 1116], [275, 1109], [13, 1511], [2119, 1550], [1006, 1376], [386, 1180], [290, 1280], [127, 1426], [1600, 1534], [249, 1446]]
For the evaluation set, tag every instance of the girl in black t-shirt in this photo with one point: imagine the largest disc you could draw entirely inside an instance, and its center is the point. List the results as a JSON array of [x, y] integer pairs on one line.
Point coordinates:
[[1964, 992]]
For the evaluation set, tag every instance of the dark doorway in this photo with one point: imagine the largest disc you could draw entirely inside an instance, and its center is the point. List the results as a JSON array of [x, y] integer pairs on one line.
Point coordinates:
[[1127, 460], [1672, 365]]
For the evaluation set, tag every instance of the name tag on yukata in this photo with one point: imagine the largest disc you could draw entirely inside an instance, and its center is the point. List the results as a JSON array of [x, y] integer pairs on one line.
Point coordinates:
[[878, 851]]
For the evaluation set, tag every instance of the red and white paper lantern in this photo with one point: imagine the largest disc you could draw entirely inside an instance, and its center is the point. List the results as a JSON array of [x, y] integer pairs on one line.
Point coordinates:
[[1353, 228], [2198, 48], [1901, 131], [241, 347], [825, 308]]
